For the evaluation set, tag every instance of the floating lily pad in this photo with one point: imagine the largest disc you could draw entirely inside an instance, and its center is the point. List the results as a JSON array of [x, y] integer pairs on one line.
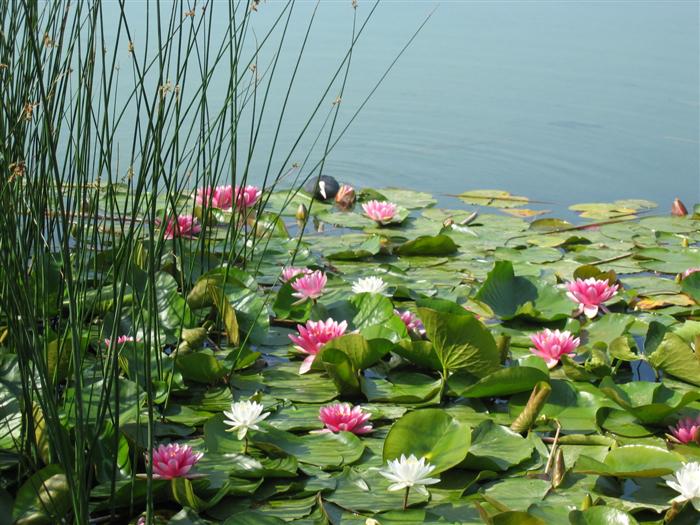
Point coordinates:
[[641, 461], [425, 245], [648, 402], [429, 433], [493, 198], [497, 448], [502, 382]]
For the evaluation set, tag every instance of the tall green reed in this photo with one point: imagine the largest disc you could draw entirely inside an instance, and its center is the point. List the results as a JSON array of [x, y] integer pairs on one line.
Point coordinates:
[[110, 118]]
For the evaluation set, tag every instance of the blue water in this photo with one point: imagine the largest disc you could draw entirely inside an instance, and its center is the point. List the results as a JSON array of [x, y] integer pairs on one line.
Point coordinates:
[[560, 101]]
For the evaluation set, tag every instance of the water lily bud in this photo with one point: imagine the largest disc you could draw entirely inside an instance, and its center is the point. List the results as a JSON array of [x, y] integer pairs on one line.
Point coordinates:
[[302, 212], [448, 222], [194, 336], [685, 243], [345, 198], [587, 502], [559, 468], [678, 209], [528, 416], [675, 510], [472, 216], [503, 345]]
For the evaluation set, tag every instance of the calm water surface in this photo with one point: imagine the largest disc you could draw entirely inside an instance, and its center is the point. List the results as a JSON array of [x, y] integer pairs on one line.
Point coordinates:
[[560, 101]]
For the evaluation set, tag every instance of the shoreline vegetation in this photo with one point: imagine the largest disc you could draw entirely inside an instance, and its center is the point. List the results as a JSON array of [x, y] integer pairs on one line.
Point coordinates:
[[186, 338]]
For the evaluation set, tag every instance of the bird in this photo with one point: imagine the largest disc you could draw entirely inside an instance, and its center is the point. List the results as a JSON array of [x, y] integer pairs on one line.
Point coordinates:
[[323, 187]]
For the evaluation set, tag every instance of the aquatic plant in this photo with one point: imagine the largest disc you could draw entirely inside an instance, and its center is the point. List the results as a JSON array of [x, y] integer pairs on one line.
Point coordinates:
[[288, 272], [343, 417], [244, 416], [120, 340], [370, 284], [313, 336], [173, 461], [590, 294], [84, 257], [247, 196], [345, 198], [686, 481], [409, 472], [411, 320], [310, 285], [552, 345], [686, 430], [218, 197], [689, 272], [185, 226], [380, 211]]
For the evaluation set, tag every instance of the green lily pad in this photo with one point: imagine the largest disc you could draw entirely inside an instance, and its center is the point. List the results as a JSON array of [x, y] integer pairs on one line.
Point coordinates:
[[360, 250], [325, 450], [492, 198], [427, 245], [429, 433], [410, 199], [402, 387], [286, 383], [648, 402], [496, 448], [461, 342], [510, 296], [641, 461], [601, 516], [43, 498], [504, 382]]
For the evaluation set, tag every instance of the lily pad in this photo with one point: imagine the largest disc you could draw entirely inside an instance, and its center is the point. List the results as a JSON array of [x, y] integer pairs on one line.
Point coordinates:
[[641, 461], [429, 433], [497, 448], [493, 198], [648, 402], [503, 382]]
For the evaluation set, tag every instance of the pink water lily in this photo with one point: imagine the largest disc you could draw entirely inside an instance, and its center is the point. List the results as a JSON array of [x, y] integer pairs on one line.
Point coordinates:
[[343, 417], [288, 272], [687, 430], [185, 226], [310, 286], [173, 461], [247, 196], [413, 324], [380, 211], [219, 197], [551, 345], [313, 336], [121, 340], [590, 294]]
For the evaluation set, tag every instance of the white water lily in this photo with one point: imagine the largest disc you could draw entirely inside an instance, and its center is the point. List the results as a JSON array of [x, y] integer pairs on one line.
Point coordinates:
[[407, 472], [244, 416], [686, 481], [369, 285]]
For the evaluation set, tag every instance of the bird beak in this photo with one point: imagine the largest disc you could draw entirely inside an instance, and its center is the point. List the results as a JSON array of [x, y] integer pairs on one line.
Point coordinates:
[[322, 189]]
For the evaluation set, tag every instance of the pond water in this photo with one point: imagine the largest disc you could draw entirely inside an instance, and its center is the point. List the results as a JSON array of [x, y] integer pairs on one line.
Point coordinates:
[[563, 102]]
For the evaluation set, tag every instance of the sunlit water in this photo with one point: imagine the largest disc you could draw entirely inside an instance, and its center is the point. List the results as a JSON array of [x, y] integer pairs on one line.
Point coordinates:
[[563, 102]]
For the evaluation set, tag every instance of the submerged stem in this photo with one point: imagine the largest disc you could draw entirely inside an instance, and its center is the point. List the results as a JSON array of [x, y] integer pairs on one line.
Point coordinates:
[[405, 498]]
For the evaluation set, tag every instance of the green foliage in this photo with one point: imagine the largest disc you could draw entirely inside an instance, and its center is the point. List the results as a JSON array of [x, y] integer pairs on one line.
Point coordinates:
[[429, 433], [461, 342]]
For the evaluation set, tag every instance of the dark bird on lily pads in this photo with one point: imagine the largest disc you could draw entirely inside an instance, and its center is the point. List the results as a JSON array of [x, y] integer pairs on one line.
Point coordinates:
[[323, 187]]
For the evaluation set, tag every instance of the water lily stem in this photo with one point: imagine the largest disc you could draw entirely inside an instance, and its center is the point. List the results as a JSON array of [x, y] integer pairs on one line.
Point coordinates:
[[405, 498], [245, 445]]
